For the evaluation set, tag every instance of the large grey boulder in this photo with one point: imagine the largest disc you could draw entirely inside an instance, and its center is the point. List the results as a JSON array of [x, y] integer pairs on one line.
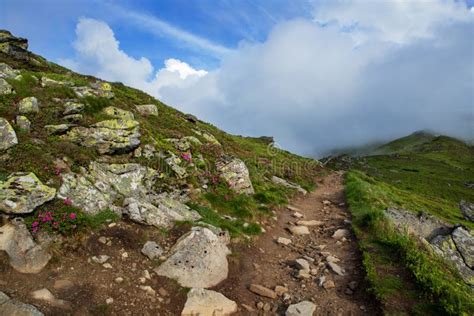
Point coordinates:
[[235, 173], [304, 308], [467, 210], [464, 242], [12, 307], [444, 246], [7, 72], [7, 135], [147, 109], [112, 136], [97, 89], [421, 225], [22, 192], [28, 105], [73, 108], [96, 187], [118, 113], [163, 214], [198, 259], [5, 87], [288, 184], [207, 303], [25, 255]]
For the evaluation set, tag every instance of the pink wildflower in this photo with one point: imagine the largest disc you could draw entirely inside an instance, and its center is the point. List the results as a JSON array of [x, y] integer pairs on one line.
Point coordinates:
[[72, 216], [35, 224], [68, 201], [186, 156]]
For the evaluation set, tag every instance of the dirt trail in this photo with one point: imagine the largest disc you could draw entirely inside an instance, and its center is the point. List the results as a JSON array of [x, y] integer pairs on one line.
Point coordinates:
[[267, 263]]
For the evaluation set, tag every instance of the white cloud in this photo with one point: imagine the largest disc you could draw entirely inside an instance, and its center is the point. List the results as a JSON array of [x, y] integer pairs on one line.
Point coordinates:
[[98, 53], [398, 21]]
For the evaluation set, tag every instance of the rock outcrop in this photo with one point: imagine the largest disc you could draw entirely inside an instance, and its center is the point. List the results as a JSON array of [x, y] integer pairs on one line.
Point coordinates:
[[147, 109], [5, 87], [8, 72], [97, 187], [28, 105], [13, 46], [112, 136], [208, 303], [198, 259], [235, 173], [163, 214], [22, 192], [25, 255], [15, 308], [8, 137], [288, 184], [98, 89], [467, 210]]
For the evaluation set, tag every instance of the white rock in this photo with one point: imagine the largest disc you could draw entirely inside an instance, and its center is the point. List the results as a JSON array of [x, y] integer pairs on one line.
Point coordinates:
[[304, 308], [100, 259], [338, 234], [207, 303], [299, 230], [283, 241]]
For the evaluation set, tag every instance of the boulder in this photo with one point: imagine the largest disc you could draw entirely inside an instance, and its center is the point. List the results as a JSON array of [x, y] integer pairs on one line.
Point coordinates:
[[299, 230], [118, 113], [198, 259], [98, 89], [288, 184], [340, 233], [107, 137], [25, 255], [23, 123], [152, 250], [7, 72], [5, 87], [163, 214], [57, 129], [304, 308], [47, 82], [235, 173], [73, 118], [28, 105], [22, 192], [207, 303], [96, 187], [464, 242], [173, 163], [209, 138], [191, 118], [73, 108], [444, 246], [16, 308], [422, 225], [467, 210], [147, 109], [8, 137]]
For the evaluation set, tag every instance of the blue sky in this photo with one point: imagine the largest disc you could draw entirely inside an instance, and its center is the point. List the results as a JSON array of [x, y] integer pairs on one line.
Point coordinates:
[[315, 74]]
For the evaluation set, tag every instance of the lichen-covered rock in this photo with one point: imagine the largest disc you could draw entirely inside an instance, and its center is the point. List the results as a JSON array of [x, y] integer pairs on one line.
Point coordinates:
[[209, 138], [15, 308], [22, 192], [288, 184], [23, 123], [5, 87], [467, 210], [198, 259], [236, 175], [107, 137], [152, 250], [48, 82], [304, 308], [147, 109], [95, 188], [207, 303], [8, 137], [163, 214], [98, 89], [73, 118], [446, 248], [8, 72], [115, 112], [73, 108], [422, 225], [25, 255], [464, 242], [174, 163], [28, 105], [57, 129]]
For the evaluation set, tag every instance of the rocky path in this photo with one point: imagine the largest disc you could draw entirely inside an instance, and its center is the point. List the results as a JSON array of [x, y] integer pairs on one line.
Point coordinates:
[[322, 267]]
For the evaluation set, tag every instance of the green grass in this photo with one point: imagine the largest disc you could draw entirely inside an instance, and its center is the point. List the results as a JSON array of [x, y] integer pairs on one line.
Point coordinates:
[[439, 285]]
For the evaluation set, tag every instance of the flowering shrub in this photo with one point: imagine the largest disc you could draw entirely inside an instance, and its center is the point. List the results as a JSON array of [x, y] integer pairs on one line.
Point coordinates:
[[187, 157], [64, 220]]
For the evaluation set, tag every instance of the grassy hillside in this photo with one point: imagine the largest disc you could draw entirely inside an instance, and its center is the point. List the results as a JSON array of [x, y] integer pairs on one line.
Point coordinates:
[[420, 172], [37, 151]]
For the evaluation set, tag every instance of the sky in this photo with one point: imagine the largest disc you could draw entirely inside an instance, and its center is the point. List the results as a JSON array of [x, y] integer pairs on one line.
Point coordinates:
[[316, 75]]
